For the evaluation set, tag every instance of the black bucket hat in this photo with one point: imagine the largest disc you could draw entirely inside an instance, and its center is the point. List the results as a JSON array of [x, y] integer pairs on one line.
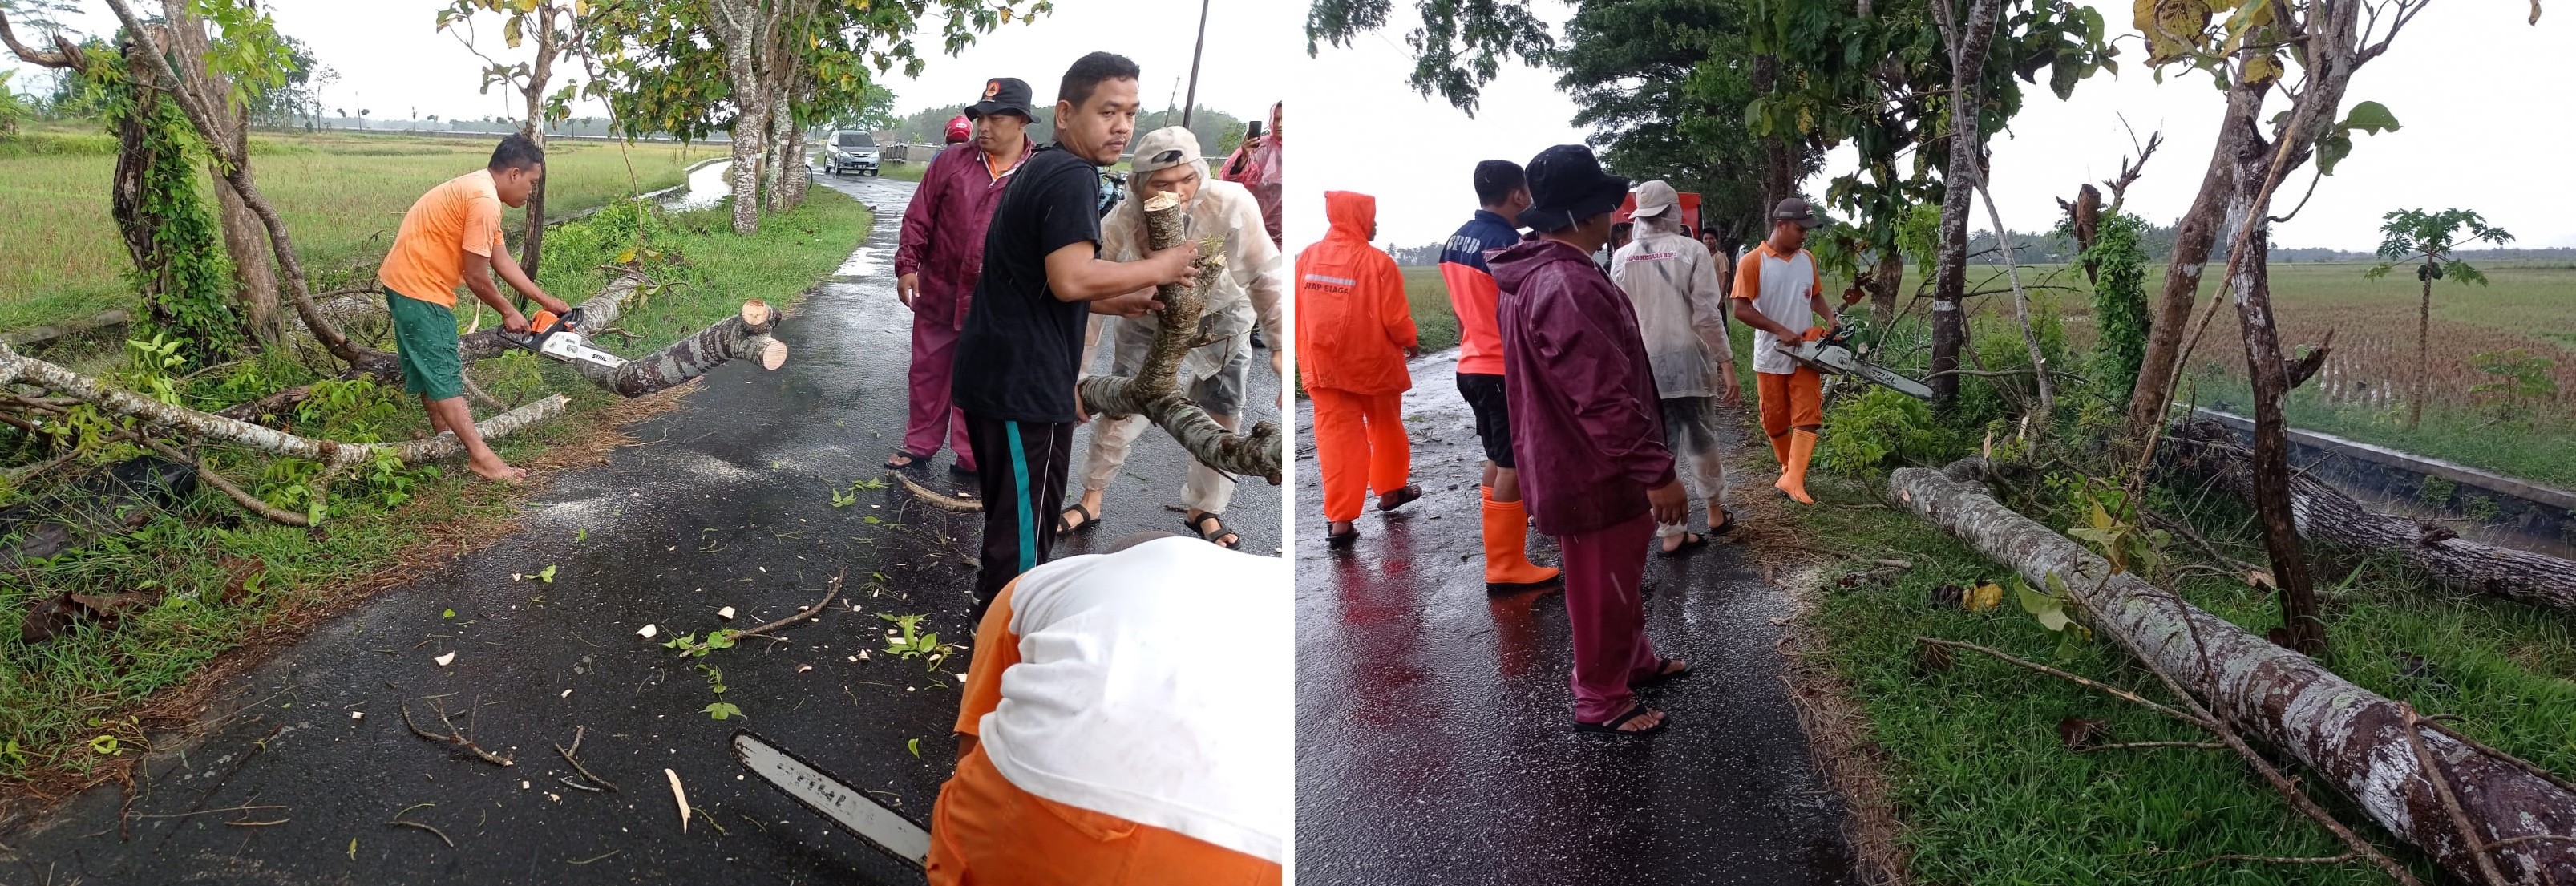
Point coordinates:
[[1567, 185], [1003, 95]]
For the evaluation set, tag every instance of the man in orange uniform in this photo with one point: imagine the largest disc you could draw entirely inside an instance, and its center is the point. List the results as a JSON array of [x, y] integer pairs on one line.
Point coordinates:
[[452, 235], [1127, 720], [1354, 330], [1776, 288], [1502, 192]]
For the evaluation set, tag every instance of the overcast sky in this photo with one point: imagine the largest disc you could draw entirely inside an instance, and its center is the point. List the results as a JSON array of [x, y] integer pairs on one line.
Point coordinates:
[[2481, 95], [394, 62]]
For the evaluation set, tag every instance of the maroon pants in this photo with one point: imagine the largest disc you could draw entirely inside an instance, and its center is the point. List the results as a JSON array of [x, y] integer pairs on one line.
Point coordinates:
[[934, 416], [1605, 571]]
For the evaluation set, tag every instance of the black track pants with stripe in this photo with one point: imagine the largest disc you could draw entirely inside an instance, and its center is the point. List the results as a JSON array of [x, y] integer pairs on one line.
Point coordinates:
[[1022, 473]]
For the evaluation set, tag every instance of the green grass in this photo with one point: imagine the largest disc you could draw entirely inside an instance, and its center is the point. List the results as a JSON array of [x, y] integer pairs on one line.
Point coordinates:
[[910, 172], [58, 695], [1988, 795], [1433, 319], [342, 194]]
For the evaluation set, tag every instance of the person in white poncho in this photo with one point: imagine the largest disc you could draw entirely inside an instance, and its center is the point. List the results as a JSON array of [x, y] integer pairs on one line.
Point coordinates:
[[1681, 313], [1215, 374]]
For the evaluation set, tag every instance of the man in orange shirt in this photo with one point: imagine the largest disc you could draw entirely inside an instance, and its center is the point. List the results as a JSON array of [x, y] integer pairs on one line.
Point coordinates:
[[1354, 330], [1777, 292], [453, 234]]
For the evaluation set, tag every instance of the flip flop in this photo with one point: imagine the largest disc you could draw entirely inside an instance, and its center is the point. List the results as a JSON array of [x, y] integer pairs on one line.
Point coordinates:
[[1342, 540], [910, 459], [1663, 674], [1199, 523], [1612, 727], [1064, 527], [1690, 540], [1399, 497]]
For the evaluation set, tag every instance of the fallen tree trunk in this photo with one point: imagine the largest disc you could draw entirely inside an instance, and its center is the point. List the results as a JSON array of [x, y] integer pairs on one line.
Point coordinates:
[[2354, 738], [1155, 393], [2324, 513], [18, 369], [737, 337]]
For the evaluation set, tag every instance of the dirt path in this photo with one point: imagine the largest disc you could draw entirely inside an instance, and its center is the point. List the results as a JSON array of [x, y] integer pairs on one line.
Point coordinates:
[[724, 502], [1434, 740]]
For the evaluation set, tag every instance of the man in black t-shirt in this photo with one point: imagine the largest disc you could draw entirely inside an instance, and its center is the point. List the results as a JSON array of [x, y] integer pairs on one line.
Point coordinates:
[[1020, 353]]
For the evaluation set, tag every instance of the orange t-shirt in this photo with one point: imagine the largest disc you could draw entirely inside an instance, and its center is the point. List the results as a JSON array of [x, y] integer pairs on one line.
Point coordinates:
[[428, 259]]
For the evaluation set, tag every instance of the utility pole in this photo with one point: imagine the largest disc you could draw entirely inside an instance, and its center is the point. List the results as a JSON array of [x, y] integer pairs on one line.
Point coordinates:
[[1195, 50]]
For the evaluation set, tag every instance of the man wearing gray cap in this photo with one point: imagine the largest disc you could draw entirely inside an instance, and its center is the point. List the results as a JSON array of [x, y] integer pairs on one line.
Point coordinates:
[[1777, 292], [1681, 312], [1248, 293]]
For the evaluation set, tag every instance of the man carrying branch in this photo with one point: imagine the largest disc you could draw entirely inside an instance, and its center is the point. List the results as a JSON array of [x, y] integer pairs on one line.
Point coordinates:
[[1168, 161], [1021, 351], [452, 234]]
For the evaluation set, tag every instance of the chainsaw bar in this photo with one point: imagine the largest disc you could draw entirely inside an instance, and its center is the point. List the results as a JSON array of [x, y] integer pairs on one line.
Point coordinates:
[[887, 830], [1838, 360]]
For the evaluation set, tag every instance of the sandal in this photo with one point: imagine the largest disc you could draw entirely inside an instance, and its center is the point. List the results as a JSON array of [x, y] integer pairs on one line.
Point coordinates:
[[963, 471], [1726, 527], [909, 459], [1342, 540], [1399, 497], [1612, 727], [1664, 673], [1689, 540], [1199, 524], [1065, 526]]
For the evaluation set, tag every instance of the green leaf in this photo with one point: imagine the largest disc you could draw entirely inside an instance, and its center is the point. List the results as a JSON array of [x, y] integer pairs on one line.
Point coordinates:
[[547, 574], [448, 614], [914, 746], [724, 710], [104, 745], [2370, 117]]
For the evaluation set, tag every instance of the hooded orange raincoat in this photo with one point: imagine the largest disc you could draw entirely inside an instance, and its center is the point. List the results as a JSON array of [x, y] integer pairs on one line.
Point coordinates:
[[1353, 327]]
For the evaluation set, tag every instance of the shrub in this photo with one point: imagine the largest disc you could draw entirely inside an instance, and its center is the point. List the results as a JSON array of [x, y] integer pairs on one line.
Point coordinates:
[[1863, 433]]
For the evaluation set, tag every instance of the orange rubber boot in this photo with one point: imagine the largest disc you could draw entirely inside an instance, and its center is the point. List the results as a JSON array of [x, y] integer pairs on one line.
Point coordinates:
[[1780, 449], [1793, 473], [1507, 562]]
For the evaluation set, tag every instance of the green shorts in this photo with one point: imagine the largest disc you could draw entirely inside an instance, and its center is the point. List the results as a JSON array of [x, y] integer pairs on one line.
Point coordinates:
[[425, 338]]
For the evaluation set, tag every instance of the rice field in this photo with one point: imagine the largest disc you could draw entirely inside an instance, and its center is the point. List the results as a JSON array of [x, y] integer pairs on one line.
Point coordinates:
[[343, 195]]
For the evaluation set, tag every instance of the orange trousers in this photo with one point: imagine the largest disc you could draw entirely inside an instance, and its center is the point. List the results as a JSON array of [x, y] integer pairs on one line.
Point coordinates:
[[986, 831], [1356, 433], [1790, 400]]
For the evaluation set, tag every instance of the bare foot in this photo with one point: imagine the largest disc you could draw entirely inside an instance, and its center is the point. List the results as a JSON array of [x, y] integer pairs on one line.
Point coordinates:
[[491, 467]]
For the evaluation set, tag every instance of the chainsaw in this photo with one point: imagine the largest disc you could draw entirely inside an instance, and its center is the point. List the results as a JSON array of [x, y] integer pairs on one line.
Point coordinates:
[[889, 831], [560, 338], [1832, 355]]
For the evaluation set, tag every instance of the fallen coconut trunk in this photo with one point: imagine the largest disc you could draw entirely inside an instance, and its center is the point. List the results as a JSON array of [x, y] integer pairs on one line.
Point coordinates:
[[1154, 392], [19, 369], [2354, 738], [742, 336], [598, 312], [2324, 513]]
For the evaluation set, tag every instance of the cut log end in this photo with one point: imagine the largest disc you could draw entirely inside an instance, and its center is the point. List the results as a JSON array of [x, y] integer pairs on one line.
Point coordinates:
[[1162, 200], [757, 314], [773, 355]]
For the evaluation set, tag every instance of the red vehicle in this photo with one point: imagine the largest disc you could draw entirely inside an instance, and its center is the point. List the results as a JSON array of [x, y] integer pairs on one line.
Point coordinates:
[[1690, 211]]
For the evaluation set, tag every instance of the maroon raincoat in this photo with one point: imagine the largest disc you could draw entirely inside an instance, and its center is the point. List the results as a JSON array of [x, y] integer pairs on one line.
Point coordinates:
[[1586, 427], [943, 229]]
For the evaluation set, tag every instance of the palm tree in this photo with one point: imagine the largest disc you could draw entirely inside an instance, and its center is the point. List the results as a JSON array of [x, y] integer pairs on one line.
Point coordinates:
[[2426, 240]]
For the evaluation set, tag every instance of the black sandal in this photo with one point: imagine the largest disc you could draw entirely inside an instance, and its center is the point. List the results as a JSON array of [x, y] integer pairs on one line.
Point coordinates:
[[910, 460], [1199, 523], [1726, 527], [1612, 727], [1689, 540], [1341, 540], [1398, 498], [958, 470], [1064, 527], [1663, 674]]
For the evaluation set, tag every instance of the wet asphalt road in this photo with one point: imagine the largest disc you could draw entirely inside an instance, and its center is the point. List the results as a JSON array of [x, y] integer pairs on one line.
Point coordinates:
[[1434, 739], [727, 503]]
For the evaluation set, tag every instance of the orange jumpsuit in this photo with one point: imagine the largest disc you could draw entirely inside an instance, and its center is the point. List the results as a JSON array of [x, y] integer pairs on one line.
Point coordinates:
[[986, 831], [1353, 326]]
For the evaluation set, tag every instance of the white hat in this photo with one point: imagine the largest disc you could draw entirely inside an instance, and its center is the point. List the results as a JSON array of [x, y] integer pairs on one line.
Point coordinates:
[[1654, 197]]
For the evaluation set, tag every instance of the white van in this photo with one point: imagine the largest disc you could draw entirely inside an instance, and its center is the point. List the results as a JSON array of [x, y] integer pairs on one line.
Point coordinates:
[[851, 149]]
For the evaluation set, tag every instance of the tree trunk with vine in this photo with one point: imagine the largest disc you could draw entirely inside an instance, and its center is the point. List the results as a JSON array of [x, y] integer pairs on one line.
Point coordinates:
[[540, 72], [253, 273], [1958, 192]]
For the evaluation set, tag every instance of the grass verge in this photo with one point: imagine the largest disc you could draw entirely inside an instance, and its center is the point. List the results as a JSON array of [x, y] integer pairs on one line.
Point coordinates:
[[342, 194], [1986, 792], [76, 710]]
